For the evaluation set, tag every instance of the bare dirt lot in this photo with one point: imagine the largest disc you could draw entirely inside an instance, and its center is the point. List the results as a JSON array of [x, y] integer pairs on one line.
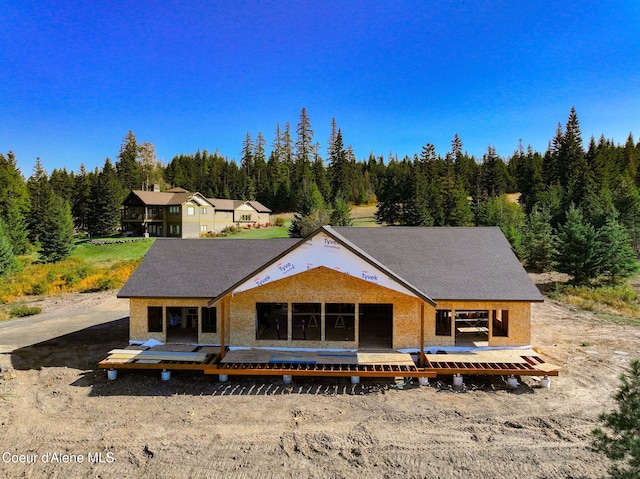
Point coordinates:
[[60, 407]]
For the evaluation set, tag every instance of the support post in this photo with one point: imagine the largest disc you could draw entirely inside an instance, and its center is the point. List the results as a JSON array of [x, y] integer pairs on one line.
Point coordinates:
[[222, 346], [545, 382], [421, 358]]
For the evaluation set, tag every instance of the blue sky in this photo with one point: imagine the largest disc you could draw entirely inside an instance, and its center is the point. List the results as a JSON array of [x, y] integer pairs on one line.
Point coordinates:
[[75, 77]]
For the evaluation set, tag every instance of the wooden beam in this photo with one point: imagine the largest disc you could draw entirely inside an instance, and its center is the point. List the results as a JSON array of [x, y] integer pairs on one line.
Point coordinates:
[[222, 346], [421, 357]]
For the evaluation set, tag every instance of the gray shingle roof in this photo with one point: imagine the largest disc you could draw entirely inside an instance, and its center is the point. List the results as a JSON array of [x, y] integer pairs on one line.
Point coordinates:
[[448, 263], [199, 268], [442, 263]]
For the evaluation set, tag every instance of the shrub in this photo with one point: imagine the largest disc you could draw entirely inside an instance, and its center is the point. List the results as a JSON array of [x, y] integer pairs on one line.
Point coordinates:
[[38, 288], [105, 283], [22, 310]]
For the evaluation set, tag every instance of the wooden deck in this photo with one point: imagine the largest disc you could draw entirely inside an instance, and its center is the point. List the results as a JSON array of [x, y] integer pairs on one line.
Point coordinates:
[[262, 362]]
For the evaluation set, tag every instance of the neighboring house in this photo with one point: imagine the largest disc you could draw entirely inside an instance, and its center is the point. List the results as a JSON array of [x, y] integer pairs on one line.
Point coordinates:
[[239, 212], [182, 214], [390, 288]]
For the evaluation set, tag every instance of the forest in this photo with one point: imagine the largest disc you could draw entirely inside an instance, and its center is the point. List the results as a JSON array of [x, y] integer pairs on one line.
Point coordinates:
[[577, 209]]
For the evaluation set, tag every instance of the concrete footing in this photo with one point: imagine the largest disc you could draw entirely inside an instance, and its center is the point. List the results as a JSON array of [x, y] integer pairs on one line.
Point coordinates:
[[112, 374], [223, 378], [423, 381], [545, 382], [286, 378], [165, 375], [355, 379]]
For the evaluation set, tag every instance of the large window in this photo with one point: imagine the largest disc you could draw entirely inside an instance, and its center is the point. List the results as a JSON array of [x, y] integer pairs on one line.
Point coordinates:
[[154, 319], [245, 217], [443, 322], [500, 323], [174, 230], [174, 210], [272, 321], [305, 321], [340, 320], [191, 210], [209, 320]]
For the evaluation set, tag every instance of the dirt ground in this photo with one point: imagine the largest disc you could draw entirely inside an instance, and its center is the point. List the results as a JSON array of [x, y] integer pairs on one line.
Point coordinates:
[[62, 415]]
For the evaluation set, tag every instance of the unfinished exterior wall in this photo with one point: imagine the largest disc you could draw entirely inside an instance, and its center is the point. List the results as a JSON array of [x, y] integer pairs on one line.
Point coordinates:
[[519, 331], [322, 285], [138, 319]]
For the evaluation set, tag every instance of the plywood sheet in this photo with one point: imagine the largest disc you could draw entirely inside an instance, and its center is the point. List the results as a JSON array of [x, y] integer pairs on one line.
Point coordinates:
[[396, 359], [185, 348], [159, 355]]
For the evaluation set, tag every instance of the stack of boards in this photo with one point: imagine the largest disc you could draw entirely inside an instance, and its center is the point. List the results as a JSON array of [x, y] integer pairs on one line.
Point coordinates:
[[149, 356]]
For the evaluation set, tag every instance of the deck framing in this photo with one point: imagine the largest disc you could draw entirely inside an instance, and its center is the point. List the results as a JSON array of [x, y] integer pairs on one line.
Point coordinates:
[[434, 366]]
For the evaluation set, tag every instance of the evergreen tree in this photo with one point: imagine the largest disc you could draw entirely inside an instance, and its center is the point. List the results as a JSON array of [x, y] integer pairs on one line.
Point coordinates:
[[618, 258], [621, 441], [304, 156], [494, 175], [39, 192], [81, 199], [538, 239], [626, 200], [12, 186], [341, 213], [577, 248], [456, 207], [16, 226], [104, 207], [7, 259], [509, 217], [56, 241], [417, 210], [312, 215], [394, 194], [338, 168], [128, 168]]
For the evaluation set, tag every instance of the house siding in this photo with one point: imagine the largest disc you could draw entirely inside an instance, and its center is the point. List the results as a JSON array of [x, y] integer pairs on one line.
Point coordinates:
[[138, 324], [519, 333]]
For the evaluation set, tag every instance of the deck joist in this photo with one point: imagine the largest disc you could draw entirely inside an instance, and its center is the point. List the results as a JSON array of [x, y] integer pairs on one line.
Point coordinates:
[[326, 370]]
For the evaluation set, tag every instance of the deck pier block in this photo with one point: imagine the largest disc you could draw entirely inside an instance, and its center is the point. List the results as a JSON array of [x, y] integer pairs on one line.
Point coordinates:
[[112, 374], [165, 375], [355, 379], [286, 378], [423, 381], [223, 378], [512, 382], [457, 380], [545, 382]]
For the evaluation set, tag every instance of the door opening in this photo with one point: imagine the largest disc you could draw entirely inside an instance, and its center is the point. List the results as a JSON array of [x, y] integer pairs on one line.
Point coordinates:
[[376, 326]]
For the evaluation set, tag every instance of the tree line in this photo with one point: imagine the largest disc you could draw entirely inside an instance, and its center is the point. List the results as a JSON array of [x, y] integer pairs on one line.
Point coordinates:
[[571, 200]]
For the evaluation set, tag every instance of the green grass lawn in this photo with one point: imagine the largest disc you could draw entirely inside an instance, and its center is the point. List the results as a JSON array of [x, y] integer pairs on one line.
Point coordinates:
[[261, 233], [105, 254]]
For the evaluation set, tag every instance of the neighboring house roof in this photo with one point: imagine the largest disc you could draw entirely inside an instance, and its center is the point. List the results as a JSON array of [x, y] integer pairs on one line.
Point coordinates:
[[176, 196], [441, 263], [230, 205], [224, 204], [259, 207]]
